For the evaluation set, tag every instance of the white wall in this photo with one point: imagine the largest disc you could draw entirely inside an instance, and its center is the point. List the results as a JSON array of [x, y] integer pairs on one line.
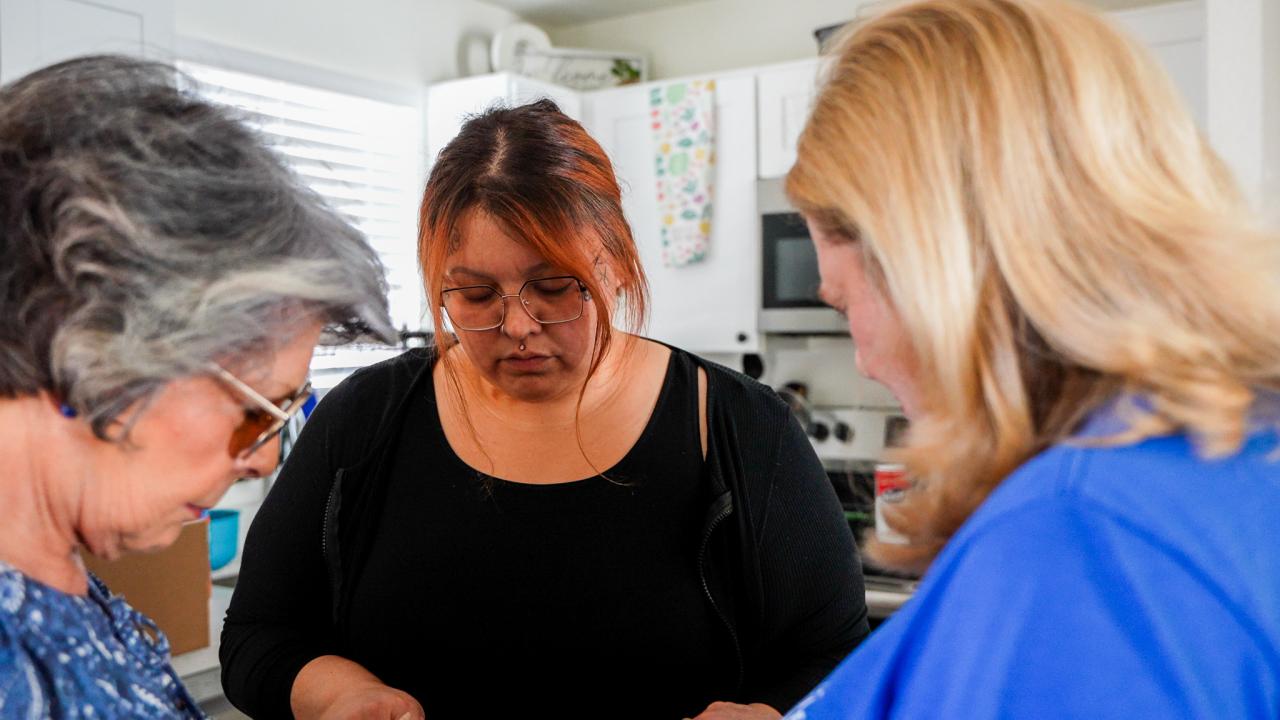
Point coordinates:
[[724, 34], [713, 35], [404, 42], [1271, 108], [1234, 72]]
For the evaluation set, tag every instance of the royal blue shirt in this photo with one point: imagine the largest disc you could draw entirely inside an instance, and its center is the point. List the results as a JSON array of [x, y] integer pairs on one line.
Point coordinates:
[[82, 656], [1126, 582]]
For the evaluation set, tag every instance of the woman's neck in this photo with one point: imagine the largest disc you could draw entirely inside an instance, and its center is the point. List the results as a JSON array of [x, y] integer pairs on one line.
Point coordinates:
[[37, 536]]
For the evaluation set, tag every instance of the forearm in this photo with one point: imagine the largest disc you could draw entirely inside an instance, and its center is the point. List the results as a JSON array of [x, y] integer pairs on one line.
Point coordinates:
[[321, 681]]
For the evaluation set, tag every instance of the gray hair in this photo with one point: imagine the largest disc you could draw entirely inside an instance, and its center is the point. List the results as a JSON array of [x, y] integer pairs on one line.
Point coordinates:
[[145, 232]]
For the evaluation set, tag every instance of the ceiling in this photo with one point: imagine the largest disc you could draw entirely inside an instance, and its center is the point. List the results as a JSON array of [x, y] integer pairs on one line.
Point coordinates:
[[561, 13]]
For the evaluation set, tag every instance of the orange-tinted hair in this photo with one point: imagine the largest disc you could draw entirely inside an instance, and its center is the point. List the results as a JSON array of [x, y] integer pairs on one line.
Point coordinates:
[[538, 173]]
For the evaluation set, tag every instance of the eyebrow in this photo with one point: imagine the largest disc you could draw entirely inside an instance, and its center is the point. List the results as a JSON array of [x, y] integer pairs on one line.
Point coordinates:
[[464, 270]]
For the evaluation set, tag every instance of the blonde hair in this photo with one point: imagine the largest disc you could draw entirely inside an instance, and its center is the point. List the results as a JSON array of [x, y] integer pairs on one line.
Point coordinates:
[[1051, 230]]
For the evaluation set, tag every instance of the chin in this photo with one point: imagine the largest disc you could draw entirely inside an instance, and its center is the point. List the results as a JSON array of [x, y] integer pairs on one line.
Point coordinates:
[[153, 540], [533, 387]]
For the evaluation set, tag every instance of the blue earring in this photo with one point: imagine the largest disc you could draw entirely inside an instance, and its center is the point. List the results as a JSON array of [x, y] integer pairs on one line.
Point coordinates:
[[67, 411]]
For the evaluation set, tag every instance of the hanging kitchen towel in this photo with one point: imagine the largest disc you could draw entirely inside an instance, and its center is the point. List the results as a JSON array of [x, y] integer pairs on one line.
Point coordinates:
[[682, 116]]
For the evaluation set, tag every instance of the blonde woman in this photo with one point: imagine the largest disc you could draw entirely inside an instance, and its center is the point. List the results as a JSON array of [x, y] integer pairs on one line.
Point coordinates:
[[1038, 252]]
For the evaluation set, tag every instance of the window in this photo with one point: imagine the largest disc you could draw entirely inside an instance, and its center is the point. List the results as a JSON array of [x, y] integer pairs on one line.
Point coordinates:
[[362, 154]]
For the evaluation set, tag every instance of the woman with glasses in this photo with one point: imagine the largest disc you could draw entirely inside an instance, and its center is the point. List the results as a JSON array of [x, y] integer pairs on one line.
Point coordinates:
[[163, 282], [1040, 254], [544, 515]]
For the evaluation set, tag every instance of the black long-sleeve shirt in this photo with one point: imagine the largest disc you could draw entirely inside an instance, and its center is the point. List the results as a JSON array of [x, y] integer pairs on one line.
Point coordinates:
[[649, 593]]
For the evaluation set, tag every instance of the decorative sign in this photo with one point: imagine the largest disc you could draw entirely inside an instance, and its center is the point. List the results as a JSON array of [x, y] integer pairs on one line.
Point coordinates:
[[582, 69]]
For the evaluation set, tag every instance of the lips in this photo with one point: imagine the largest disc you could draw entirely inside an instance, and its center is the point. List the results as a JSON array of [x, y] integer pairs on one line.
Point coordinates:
[[196, 510], [526, 361]]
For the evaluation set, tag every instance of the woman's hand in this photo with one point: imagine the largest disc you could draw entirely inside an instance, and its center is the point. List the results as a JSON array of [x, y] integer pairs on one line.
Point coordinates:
[[374, 702], [734, 711], [335, 688]]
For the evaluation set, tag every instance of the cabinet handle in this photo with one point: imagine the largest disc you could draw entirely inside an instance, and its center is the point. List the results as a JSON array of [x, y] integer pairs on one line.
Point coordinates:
[[742, 337]]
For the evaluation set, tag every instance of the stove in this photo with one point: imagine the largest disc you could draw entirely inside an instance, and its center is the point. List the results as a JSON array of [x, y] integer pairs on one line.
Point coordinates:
[[851, 437], [850, 441]]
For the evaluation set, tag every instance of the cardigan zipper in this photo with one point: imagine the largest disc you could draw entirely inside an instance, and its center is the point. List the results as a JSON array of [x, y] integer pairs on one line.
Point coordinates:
[[329, 556], [720, 515]]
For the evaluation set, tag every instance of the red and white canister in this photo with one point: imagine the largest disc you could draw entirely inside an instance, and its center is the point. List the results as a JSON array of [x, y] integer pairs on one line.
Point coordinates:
[[891, 487]]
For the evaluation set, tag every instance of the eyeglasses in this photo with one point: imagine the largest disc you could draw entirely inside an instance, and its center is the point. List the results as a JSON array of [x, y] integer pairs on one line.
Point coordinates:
[[550, 300], [266, 421]]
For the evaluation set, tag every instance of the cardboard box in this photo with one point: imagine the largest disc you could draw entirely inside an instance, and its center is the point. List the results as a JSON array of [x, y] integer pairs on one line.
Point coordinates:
[[171, 586]]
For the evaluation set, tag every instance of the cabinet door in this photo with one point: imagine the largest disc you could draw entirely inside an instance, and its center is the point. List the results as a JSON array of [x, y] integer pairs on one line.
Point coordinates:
[[449, 104], [785, 97], [1175, 34], [35, 33], [709, 306], [526, 90]]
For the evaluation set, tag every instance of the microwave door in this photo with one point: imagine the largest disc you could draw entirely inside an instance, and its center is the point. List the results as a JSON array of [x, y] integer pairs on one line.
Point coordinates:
[[789, 274]]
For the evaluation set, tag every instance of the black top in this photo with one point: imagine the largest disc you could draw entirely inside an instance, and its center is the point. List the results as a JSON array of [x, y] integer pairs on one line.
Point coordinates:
[[488, 598], [672, 583]]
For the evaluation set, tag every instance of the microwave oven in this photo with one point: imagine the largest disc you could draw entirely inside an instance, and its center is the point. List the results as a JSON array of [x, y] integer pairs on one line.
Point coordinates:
[[789, 279]]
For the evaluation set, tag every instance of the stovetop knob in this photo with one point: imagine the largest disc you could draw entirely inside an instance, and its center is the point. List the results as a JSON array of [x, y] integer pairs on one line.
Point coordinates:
[[843, 432], [819, 431]]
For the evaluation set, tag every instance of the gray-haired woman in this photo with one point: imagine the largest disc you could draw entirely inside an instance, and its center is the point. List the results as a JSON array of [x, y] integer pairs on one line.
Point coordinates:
[[163, 282]]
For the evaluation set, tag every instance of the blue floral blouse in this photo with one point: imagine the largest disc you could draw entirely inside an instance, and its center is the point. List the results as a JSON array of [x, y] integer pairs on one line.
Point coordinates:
[[72, 656]]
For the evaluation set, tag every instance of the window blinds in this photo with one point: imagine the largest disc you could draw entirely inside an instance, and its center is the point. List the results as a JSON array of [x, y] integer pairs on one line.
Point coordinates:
[[361, 155]]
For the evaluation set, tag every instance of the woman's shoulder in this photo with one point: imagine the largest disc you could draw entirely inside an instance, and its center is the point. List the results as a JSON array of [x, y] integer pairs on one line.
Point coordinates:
[[374, 381], [24, 604], [60, 651], [41, 647], [1125, 478], [28, 662], [733, 390], [351, 418], [1156, 501], [371, 392]]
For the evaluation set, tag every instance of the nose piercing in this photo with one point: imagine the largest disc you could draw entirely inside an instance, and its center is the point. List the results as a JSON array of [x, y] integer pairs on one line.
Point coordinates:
[[522, 346]]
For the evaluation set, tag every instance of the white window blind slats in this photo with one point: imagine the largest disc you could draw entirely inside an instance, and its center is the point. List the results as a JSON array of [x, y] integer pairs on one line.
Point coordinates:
[[339, 158], [360, 155]]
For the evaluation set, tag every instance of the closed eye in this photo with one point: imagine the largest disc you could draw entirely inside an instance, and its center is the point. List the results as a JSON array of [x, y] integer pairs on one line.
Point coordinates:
[[552, 287]]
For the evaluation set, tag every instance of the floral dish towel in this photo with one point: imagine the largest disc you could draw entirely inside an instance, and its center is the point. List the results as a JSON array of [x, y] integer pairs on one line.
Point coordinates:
[[682, 116]]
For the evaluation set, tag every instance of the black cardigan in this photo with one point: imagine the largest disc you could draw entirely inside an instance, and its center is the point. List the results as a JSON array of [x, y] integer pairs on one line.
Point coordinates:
[[777, 558]]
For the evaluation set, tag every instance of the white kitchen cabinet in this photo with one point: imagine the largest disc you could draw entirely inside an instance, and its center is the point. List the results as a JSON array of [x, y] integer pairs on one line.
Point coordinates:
[[709, 306], [785, 94], [449, 104], [35, 33], [1174, 32]]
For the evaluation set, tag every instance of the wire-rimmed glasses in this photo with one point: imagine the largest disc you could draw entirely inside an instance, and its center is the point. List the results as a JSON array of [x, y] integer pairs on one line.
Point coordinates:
[[264, 422], [549, 300]]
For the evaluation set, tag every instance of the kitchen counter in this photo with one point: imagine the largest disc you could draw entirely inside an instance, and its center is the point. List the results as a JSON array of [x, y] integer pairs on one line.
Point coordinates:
[[200, 671], [885, 595], [883, 603]]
